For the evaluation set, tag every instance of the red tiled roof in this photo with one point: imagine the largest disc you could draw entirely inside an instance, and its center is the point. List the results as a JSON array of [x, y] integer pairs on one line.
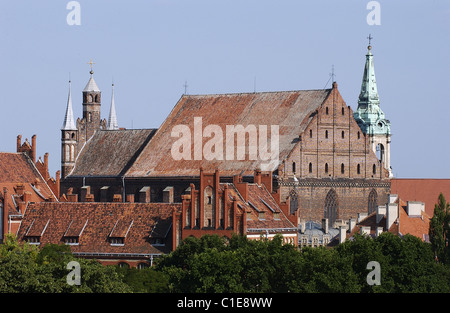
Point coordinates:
[[17, 168], [97, 222], [423, 190], [290, 110]]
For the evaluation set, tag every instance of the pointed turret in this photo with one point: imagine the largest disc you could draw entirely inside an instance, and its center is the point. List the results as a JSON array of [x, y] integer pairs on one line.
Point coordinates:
[[112, 120], [69, 122], [369, 115]]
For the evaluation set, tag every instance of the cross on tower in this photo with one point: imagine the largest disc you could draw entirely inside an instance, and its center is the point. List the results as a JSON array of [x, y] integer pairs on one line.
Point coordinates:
[[91, 63], [185, 87], [332, 74], [370, 38]]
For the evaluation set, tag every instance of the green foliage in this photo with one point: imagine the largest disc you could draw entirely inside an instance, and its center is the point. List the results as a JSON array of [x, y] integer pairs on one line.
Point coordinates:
[[25, 268], [214, 264], [440, 230]]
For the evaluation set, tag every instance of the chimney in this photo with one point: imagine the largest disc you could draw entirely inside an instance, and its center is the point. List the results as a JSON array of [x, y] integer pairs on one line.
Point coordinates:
[[391, 215], [104, 194], [365, 230], [33, 148], [415, 208], [381, 212], [20, 188], [5, 212], [46, 162], [325, 225], [117, 198], [84, 191], [361, 216], [58, 183], [72, 197], [144, 194], [241, 187], [393, 198], [351, 224], [378, 231], [19, 142], [168, 194], [89, 198], [302, 226], [342, 234], [257, 177], [130, 198]]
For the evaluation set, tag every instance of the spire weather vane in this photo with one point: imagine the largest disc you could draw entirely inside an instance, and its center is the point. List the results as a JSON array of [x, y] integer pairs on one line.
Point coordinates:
[[370, 38], [91, 64]]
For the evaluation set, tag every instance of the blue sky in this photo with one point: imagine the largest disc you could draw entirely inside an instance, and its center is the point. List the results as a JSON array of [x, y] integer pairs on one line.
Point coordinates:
[[150, 48]]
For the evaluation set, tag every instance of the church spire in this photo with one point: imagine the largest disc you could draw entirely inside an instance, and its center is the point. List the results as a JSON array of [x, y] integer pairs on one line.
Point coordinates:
[[369, 115], [69, 122], [112, 120]]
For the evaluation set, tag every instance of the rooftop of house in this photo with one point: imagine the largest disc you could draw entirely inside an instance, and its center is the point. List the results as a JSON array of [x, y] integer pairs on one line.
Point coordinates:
[[100, 228]]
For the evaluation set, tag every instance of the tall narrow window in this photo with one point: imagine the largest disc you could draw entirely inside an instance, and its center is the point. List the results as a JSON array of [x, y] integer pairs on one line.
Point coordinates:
[[359, 135], [358, 169], [342, 168], [372, 202], [293, 201], [310, 167], [310, 133], [343, 111], [331, 206], [326, 134], [343, 134], [326, 110], [374, 169], [293, 167], [326, 168]]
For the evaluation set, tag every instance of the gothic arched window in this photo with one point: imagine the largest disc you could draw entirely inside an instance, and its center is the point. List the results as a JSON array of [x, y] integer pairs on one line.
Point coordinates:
[[293, 202], [310, 167], [373, 202], [331, 206], [326, 168]]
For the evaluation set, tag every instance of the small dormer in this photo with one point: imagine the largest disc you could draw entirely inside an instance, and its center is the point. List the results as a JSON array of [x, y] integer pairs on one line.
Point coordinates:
[[119, 232]]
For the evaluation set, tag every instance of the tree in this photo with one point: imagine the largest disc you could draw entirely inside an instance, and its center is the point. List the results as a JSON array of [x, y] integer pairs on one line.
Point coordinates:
[[439, 230]]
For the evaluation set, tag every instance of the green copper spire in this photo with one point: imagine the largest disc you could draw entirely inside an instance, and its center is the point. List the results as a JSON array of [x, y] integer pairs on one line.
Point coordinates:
[[369, 115]]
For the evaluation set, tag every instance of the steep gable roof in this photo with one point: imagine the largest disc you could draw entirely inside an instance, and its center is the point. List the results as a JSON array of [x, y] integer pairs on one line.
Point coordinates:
[[110, 152], [18, 169], [289, 110]]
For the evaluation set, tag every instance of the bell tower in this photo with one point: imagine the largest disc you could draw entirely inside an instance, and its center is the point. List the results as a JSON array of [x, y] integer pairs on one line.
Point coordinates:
[[370, 117], [91, 106]]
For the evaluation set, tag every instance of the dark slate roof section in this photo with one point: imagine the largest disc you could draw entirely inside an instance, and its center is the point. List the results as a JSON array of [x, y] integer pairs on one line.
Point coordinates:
[[111, 152], [291, 111]]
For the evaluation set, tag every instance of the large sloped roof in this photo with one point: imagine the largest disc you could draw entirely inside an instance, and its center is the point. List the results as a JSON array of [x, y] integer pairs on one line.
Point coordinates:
[[110, 152], [291, 111], [94, 223]]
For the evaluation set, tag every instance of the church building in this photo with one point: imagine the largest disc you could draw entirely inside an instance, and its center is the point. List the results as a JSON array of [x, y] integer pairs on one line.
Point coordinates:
[[331, 162]]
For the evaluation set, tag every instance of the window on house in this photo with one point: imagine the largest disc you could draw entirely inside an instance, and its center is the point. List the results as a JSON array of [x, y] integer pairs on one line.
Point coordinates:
[[310, 133], [343, 134], [342, 168], [209, 199], [261, 215], [116, 241], [326, 168], [71, 240], [35, 240], [326, 134], [374, 169], [359, 135], [358, 169], [310, 167], [142, 265], [293, 167], [326, 110], [343, 111]]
